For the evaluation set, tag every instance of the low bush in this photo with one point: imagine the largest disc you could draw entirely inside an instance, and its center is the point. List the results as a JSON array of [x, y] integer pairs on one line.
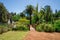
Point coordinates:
[[21, 28], [45, 27], [3, 28], [49, 28], [40, 27], [22, 25], [10, 26], [57, 26]]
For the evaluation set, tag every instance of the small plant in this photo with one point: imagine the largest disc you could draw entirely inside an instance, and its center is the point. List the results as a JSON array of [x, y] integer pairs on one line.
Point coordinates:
[[45, 27], [49, 28], [21, 28], [3, 28], [57, 26], [22, 25], [40, 27]]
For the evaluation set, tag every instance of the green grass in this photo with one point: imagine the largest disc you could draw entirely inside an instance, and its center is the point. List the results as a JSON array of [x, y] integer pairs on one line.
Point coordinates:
[[13, 35]]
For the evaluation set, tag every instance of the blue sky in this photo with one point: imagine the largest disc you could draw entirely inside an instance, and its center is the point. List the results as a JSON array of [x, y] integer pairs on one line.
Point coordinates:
[[20, 5]]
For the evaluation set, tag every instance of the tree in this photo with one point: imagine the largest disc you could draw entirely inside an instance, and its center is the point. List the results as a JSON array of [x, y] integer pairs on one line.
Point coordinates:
[[3, 13], [22, 15], [16, 17], [47, 12], [29, 11], [12, 13], [57, 14], [42, 14], [35, 15]]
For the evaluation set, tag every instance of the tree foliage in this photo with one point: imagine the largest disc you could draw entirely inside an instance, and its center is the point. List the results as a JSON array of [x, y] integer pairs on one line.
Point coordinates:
[[22, 15], [3, 13], [29, 11], [46, 13], [16, 17], [35, 17]]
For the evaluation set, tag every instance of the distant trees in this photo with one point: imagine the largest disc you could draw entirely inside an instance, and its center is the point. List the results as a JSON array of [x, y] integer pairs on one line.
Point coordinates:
[[47, 13], [57, 14], [22, 14], [42, 15], [31, 13], [35, 17], [3, 13], [16, 17]]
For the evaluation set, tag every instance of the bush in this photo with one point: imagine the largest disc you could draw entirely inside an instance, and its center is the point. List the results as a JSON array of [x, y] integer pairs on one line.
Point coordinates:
[[10, 26], [24, 21], [45, 27], [3, 28], [22, 25], [16, 17], [24, 28], [57, 26], [21, 28], [49, 28], [40, 27]]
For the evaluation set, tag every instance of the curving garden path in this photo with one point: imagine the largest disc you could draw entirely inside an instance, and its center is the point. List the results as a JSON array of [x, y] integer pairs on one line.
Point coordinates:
[[34, 35]]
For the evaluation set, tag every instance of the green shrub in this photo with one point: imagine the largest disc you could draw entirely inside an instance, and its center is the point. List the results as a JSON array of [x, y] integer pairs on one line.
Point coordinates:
[[3, 28], [24, 21], [40, 27], [10, 26], [45, 27], [16, 17], [21, 28], [24, 28], [49, 28], [57, 26], [22, 25]]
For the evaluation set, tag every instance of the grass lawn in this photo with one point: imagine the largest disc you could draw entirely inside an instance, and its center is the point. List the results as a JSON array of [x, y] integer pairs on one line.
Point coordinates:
[[13, 35]]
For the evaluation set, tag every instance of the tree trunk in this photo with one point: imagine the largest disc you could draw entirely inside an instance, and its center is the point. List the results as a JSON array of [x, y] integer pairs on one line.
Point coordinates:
[[30, 19]]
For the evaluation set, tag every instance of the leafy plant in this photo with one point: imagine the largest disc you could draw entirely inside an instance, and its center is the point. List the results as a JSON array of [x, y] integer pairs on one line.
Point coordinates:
[[3, 28], [15, 17], [40, 27], [49, 28], [57, 26], [22, 25], [45, 27]]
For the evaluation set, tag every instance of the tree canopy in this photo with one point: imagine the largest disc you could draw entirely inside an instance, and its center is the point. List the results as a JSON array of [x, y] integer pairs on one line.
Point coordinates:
[[3, 13]]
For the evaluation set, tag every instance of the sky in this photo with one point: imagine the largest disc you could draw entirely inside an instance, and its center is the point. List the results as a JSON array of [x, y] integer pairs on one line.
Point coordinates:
[[20, 5]]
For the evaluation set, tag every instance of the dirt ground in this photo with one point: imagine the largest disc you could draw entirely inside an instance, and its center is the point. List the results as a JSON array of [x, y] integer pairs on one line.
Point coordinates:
[[34, 35]]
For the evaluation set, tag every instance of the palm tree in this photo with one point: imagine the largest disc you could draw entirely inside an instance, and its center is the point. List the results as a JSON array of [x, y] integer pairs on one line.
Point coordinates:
[[42, 14], [57, 14], [36, 14], [29, 10], [47, 12]]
